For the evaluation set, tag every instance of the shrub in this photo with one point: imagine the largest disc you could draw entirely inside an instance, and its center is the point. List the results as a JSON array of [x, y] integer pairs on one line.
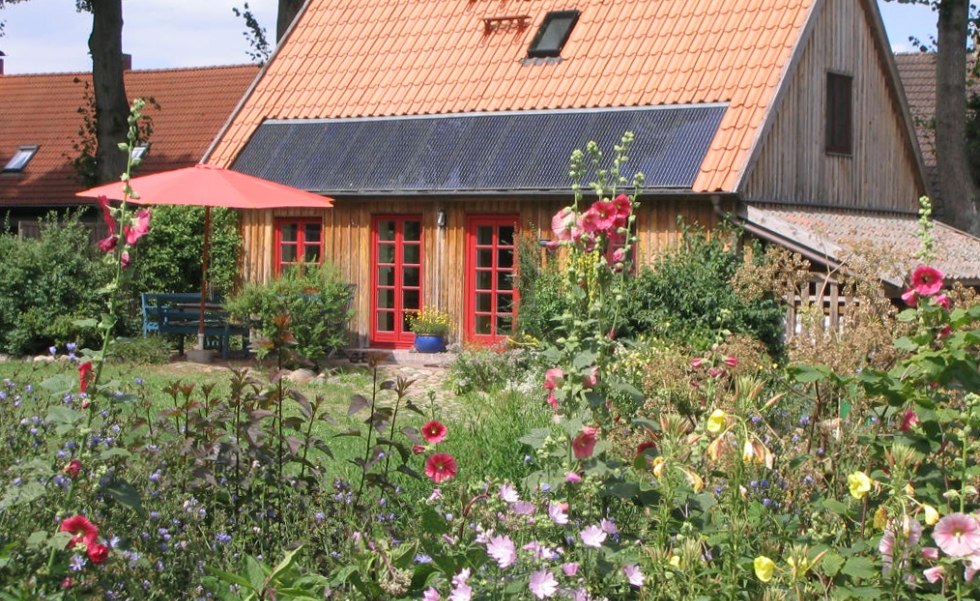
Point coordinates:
[[145, 349], [305, 309], [49, 283]]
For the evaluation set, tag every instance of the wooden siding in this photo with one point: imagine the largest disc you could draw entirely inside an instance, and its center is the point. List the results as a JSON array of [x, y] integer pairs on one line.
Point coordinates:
[[347, 240], [792, 165]]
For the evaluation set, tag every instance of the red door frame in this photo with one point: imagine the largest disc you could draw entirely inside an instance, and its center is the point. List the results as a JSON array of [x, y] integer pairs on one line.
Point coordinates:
[[300, 243], [472, 223], [400, 337]]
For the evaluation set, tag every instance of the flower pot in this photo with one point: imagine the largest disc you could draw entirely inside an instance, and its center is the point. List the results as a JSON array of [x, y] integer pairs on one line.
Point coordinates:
[[430, 343]]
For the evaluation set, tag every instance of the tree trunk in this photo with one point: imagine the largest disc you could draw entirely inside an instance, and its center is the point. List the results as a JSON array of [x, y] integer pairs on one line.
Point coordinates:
[[959, 194], [287, 12], [111, 104]]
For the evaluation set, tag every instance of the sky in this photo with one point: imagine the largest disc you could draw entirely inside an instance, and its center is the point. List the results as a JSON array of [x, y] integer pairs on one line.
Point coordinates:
[[48, 36]]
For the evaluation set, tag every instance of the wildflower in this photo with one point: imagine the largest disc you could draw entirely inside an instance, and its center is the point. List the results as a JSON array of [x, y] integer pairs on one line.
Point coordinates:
[[763, 567], [957, 534], [501, 549], [84, 375], [53, 350], [697, 362], [508, 493], [434, 432], [67, 583], [553, 378], [573, 478], [675, 561], [124, 259], [933, 574], [82, 530], [543, 584], [418, 449], [431, 594], [593, 536], [461, 590], [930, 513], [522, 508], [222, 538], [716, 421], [609, 527], [557, 513], [98, 553], [552, 401], [440, 467], [859, 484], [910, 297], [633, 574], [927, 280], [76, 563], [73, 468], [584, 443], [570, 568]]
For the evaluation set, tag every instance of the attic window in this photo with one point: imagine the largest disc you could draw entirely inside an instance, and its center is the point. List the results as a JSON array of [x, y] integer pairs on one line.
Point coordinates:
[[20, 159], [553, 34], [839, 114], [139, 151]]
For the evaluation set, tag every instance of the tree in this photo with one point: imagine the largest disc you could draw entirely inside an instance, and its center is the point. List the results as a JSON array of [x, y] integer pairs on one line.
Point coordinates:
[[255, 33]]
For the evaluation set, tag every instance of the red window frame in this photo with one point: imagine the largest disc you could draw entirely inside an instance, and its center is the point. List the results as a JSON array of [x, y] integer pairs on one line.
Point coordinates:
[[473, 311], [400, 336], [299, 243]]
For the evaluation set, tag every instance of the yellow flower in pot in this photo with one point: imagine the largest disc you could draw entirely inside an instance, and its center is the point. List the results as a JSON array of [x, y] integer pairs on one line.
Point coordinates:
[[431, 326]]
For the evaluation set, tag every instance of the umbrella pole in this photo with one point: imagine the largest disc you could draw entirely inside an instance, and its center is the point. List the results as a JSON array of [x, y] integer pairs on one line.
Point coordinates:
[[204, 276]]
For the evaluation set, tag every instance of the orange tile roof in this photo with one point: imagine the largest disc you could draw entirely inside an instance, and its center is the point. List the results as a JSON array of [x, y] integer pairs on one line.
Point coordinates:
[[42, 109], [410, 57]]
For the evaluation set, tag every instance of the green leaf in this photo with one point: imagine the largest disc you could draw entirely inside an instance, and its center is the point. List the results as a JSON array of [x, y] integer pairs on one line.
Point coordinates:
[[535, 438], [255, 572], [906, 344], [124, 493], [805, 374], [36, 539], [231, 578], [286, 563], [831, 564], [859, 567]]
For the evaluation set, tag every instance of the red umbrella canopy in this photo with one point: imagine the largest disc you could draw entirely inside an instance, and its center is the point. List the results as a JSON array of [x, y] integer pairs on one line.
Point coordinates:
[[211, 186]]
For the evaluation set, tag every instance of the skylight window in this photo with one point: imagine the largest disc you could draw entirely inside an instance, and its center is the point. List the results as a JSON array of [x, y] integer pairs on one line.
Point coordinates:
[[553, 34], [139, 152], [20, 159]]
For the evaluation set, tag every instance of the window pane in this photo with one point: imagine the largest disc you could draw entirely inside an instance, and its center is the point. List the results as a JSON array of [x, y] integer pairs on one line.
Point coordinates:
[[406, 327], [505, 258], [505, 324], [412, 254], [386, 253], [506, 233], [483, 324], [289, 232], [386, 322], [288, 253], [386, 298], [505, 281], [504, 303], [312, 232], [483, 302], [312, 254], [410, 299], [410, 276], [484, 258], [386, 230], [413, 231], [484, 280], [386, 276], [484, 235]]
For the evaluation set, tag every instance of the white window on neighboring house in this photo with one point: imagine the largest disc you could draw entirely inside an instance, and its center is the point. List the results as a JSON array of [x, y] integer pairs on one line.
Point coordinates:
[[139, 152], [19, 161]]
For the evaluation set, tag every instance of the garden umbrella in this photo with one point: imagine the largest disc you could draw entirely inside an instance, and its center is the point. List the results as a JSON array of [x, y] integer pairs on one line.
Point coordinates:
[[210, 186]]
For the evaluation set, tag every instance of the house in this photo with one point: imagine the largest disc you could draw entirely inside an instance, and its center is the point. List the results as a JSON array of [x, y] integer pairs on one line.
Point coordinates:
[[443, 128], [44, 117]]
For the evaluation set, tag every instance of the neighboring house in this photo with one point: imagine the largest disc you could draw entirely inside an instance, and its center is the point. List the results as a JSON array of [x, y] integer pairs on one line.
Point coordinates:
[[443, 129], [42, 117]]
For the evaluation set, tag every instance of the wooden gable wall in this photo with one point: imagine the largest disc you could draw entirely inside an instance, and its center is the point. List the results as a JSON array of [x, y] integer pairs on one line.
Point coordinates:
[[791, 165]]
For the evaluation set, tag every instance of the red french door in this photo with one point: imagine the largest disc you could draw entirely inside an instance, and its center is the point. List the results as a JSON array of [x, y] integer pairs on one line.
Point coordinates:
[[396, 256], [491, 259]]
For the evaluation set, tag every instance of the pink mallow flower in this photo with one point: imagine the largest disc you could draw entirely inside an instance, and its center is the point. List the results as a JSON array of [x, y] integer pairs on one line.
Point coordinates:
[[508, 493], [501, 549], [543, 584], [592, 536], [558, 512], [139, 228], [633, 574], [927, 280], [431, 594], [957, 534]]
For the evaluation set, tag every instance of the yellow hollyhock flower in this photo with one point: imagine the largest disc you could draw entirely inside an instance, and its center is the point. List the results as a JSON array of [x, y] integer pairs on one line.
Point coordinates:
[[764, 568], [859, 484], [931, 515], [881, 518], [716, 421]]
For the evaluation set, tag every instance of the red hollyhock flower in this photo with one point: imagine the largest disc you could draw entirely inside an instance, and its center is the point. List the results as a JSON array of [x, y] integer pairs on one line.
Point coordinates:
[[84, 375], [98, 553], [584, 443], [67, 583], [73, 468], [434, 432], [82, 530], [140, 227], [107, 214], [927, 280], [910, 297], [440, 466], [107, 245], [643, 446], [909, 420], [731, 361], [418, 449]]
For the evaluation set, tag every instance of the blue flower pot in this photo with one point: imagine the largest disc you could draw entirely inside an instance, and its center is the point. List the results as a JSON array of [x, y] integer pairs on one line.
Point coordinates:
[[425, 343]]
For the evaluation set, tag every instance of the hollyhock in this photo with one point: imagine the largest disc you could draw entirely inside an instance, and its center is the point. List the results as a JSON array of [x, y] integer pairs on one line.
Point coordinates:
[[943, 301], [552, 401], [605, 214], [590, 379], [573, 478], [584, 443], [592, 536], [107, 214], [461, 590], [619, 255], [107, 245], [501, 549], [731, 361], [957, 534], [930, 553], [633, 574], [434, 432], [911, 298], [931, 516], [558, 513], [909, 420], [522, 508], [623, 205], [562, 222], [140, 227], [84, 375], [927, 280], [543, 584], [609, 526], [418, 449], [887, 544], [124, 259], [697, 362], [98, 553], [82, 530], [73, 468], [440, 467], [553, 378], [934, 574]]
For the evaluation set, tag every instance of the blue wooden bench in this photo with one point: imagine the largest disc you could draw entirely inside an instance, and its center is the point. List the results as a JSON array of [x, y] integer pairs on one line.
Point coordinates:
[[179, 314]]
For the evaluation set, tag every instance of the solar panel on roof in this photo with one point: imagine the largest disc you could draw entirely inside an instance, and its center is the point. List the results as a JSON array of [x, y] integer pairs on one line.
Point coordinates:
[[484, 152]]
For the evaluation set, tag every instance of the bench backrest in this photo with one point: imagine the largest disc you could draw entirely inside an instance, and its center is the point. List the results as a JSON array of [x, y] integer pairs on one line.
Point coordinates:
[[176, 303]]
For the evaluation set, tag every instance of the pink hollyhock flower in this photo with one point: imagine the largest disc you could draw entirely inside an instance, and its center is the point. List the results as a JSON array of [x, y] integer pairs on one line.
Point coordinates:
[[543, 584], [98, 553], [714, 372], [590, 379], [944, 331], [508, 493], [553, 378], [440, 467], [434, 432], [67, 583], [570, 568], [584, 443], [887, 544], [605, 214], [633, 574], [431, 594], [731, 361], [931, 553], [592, 536], [562, 222], [623, 205], [107, 214], [73, 468], [552, 401], [927, 280], [84, 375], [933, 574], [909, 420], [911, 298], [82, 531], [957, 534], [619, 255], [502, 550], [107, 245], [943, 301], [558, 513], [573, 478], [697, 362], [587, 224], [418, 449], [139, 228]]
